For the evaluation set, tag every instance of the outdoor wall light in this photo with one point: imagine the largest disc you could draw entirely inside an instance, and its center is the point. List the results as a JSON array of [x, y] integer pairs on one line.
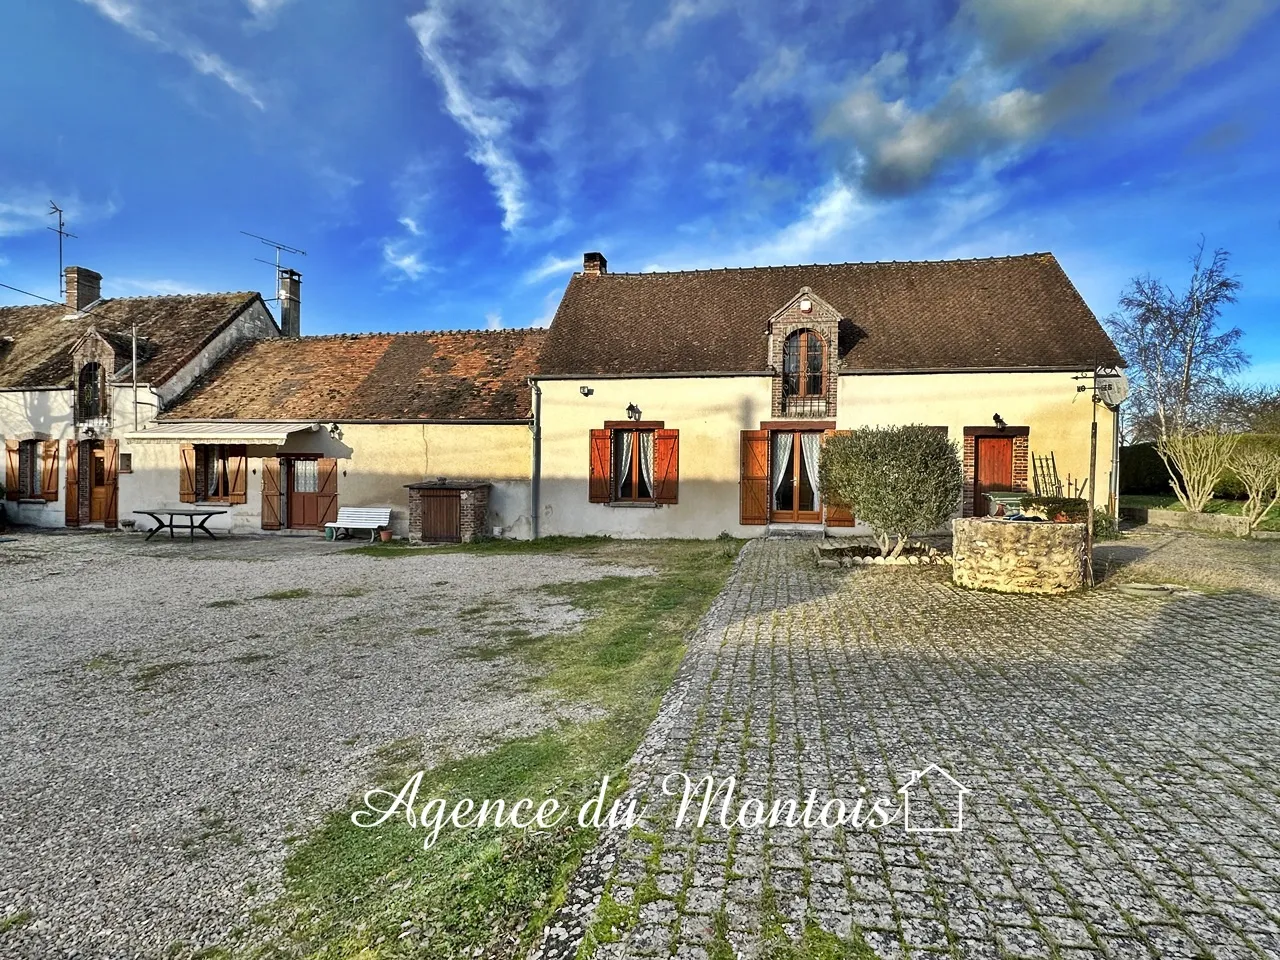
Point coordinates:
[[806, 305], [633, 412], [334, 431], [586, 391], [998, 421]]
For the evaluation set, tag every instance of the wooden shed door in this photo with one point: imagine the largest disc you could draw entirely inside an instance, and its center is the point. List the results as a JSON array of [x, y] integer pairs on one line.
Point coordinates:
[[441, 516], [992, 469], [304, 494]]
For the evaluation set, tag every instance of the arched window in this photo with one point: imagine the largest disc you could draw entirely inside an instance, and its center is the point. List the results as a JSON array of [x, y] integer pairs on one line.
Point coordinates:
[[804, 356], [93, 391]]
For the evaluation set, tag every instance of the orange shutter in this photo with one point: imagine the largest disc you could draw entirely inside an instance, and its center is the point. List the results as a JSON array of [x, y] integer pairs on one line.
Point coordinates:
[[11, 483], [49, 470], [838, 516], [73, 484], [187, 474], [327, 501], [237, 481], [271, 493], [753, 487], [111, 456], [666, 466], [601, 459]]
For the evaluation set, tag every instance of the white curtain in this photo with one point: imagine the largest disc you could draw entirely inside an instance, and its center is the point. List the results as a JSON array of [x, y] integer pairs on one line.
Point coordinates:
[[624, 460], [810, 447], [646, 460], [781, 460]]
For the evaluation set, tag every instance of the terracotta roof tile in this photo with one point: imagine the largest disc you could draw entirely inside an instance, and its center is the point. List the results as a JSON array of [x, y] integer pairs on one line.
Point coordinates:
[[171, 330], [1006, 312], [453, 375]]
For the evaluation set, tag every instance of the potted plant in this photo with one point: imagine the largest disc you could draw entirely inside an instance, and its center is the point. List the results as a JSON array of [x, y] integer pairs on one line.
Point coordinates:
[[385, 534]]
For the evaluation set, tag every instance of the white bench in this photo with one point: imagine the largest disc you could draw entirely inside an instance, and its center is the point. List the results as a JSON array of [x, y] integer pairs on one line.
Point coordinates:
[[372, 519]]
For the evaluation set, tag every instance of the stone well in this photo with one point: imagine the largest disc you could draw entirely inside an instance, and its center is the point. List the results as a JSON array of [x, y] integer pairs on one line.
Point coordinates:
[[1015, 556]]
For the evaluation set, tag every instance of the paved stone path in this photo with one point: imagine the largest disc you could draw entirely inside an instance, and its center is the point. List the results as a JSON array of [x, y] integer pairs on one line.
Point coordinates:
[[1121, 755]]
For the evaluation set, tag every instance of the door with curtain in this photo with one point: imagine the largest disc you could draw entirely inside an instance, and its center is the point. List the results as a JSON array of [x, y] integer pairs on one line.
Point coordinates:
[[796, 497]]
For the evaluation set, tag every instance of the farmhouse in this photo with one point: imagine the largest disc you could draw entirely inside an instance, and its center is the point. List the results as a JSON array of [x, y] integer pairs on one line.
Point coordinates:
[[691, 403]]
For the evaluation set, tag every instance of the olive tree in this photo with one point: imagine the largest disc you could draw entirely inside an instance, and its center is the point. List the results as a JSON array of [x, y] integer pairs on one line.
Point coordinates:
[[899, 480]]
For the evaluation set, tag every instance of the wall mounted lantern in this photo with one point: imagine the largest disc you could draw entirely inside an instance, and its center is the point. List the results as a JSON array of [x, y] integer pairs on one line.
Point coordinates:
[[585, 391], [633, 412], [998, 421]]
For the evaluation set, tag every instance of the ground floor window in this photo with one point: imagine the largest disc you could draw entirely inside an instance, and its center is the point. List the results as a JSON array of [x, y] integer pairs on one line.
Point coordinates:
[[31, 470], [634, 463], [213, 473]]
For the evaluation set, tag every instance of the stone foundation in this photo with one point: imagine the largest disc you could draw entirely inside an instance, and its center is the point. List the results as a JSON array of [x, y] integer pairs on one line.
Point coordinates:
[[1018, 557]]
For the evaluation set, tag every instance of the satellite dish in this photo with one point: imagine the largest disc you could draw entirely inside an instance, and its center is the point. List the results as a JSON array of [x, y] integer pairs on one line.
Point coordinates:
[[1112, 386]]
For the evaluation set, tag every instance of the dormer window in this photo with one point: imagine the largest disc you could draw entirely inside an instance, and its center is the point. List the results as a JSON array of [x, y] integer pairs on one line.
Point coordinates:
[[91, 402], [804, 356]]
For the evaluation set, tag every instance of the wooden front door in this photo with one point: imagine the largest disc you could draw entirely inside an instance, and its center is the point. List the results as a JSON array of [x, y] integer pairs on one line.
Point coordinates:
[[303, 511], [992, 470], [98, 487], [794, 482]]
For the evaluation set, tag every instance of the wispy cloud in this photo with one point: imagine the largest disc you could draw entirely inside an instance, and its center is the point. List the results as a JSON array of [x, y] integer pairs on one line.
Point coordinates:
[[26, 209], [402, 262], [493, 320], [680, 14], [160, 287], [264, 11], [550, 267], [132, 17]]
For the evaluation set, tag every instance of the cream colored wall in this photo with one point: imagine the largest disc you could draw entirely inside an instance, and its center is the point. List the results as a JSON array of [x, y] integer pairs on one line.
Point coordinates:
[[710, 414], [1047, 403], [42, 414], [375, 461]]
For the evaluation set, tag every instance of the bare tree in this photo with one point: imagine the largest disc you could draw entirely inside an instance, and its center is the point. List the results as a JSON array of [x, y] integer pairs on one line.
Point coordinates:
[[1251, 409], [1179, 361], [1259, 471], [1196, 462]]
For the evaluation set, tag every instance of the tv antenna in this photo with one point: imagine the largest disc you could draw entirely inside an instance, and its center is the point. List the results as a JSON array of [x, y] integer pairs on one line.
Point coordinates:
[[279, 248], [61, 231]]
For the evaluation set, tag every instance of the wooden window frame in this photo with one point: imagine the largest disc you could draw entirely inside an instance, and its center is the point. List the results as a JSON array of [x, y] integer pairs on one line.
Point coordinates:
[[804, 339], [30, 470], [221, 454], [615, 488], [99, 387]]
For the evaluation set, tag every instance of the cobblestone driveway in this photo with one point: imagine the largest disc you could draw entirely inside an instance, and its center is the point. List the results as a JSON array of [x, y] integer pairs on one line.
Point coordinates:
[[1121, 753]]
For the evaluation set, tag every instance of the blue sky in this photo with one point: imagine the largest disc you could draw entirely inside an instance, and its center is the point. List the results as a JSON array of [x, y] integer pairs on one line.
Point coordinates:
[[446, 163]]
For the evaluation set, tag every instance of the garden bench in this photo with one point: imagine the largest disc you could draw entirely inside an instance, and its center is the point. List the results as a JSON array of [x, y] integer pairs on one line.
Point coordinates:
[[372, 519]]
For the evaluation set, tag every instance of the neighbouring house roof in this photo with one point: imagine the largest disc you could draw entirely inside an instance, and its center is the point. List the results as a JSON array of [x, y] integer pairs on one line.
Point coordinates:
[[452, 375], [999, 313], [171, 331]]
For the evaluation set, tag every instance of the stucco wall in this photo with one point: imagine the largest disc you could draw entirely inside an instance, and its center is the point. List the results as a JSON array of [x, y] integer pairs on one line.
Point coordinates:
[[375, 461], [37, 414], [710, 414]]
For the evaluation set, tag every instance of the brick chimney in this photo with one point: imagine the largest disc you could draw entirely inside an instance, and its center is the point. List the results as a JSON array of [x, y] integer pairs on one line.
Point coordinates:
[[290, 294], [83, 287], [594, 264]]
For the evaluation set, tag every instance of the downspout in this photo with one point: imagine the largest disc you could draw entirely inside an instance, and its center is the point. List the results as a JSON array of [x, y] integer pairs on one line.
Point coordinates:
[[135, 377], [1115, 464], [535, 479]]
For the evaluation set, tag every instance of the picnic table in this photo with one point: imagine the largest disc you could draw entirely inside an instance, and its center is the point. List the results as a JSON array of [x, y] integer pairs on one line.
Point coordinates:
[[191, 526]]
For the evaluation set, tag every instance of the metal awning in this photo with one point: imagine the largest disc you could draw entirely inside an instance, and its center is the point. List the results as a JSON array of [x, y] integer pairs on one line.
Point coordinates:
[[272, 432]]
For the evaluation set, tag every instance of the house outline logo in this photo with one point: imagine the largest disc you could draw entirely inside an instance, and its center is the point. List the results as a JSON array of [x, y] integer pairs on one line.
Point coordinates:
[[917, 776]]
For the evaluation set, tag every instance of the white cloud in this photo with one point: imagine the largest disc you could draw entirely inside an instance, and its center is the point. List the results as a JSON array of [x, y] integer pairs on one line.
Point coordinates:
[[680, 14], [483, 121], [834, 210], [160, 287], [265, 10], [410, 224], [550, 267], [25, 209], [130, 16], [493, 321], [406, 263]]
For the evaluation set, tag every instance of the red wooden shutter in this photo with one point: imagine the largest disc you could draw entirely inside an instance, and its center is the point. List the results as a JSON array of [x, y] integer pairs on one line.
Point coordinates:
[[237, 479], [11, 461], [49, 470], [187, 474], [327, 500], [753, 487], [73, 484], [271, 493], [666, 466], [838, 516], [601, 461], [111, 456]]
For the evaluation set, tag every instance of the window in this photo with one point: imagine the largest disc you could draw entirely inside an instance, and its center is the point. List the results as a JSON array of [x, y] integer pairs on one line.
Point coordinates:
[[634, 463], [92, 398], [306, 476], [31, 470], [804, 365], [212, 472], [126, 463]]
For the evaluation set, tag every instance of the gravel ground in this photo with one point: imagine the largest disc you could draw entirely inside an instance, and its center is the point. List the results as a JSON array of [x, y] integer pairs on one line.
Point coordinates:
[[163, 732]]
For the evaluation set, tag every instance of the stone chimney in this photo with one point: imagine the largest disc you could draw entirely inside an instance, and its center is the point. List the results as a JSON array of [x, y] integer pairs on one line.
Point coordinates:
[[594, 264], [290, 294], [83, 287]]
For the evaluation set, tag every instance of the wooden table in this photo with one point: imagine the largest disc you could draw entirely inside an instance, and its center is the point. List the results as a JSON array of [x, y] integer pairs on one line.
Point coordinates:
[[191, 525]]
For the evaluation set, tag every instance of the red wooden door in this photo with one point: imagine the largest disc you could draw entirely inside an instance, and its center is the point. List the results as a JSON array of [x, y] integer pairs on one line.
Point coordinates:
[[992, 469], [304, 494]]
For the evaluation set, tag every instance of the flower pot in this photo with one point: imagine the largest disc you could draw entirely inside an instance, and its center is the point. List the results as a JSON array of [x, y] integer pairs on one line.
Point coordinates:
[[385, 535]]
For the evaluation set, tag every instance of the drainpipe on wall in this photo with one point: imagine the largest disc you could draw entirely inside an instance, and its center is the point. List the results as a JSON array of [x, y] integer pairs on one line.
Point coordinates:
[[1115, 464], [135, 376], [535, 479]]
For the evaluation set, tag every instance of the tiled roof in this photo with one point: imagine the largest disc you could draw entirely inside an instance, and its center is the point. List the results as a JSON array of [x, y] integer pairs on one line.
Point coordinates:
[[1005, 312], [171, 330], [453, 375]]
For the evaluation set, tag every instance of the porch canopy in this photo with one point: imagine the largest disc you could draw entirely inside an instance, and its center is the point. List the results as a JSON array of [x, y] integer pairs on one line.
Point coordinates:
[[272, 432]]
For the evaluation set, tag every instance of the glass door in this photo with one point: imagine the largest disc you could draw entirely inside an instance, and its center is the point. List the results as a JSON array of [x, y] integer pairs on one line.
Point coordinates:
[[794, 471]]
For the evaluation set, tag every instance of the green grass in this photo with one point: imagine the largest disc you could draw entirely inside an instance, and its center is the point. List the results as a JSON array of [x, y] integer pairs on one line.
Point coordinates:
[[348, 891], [1227, 507], [14, 920], [297, 593], [387, 551]]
